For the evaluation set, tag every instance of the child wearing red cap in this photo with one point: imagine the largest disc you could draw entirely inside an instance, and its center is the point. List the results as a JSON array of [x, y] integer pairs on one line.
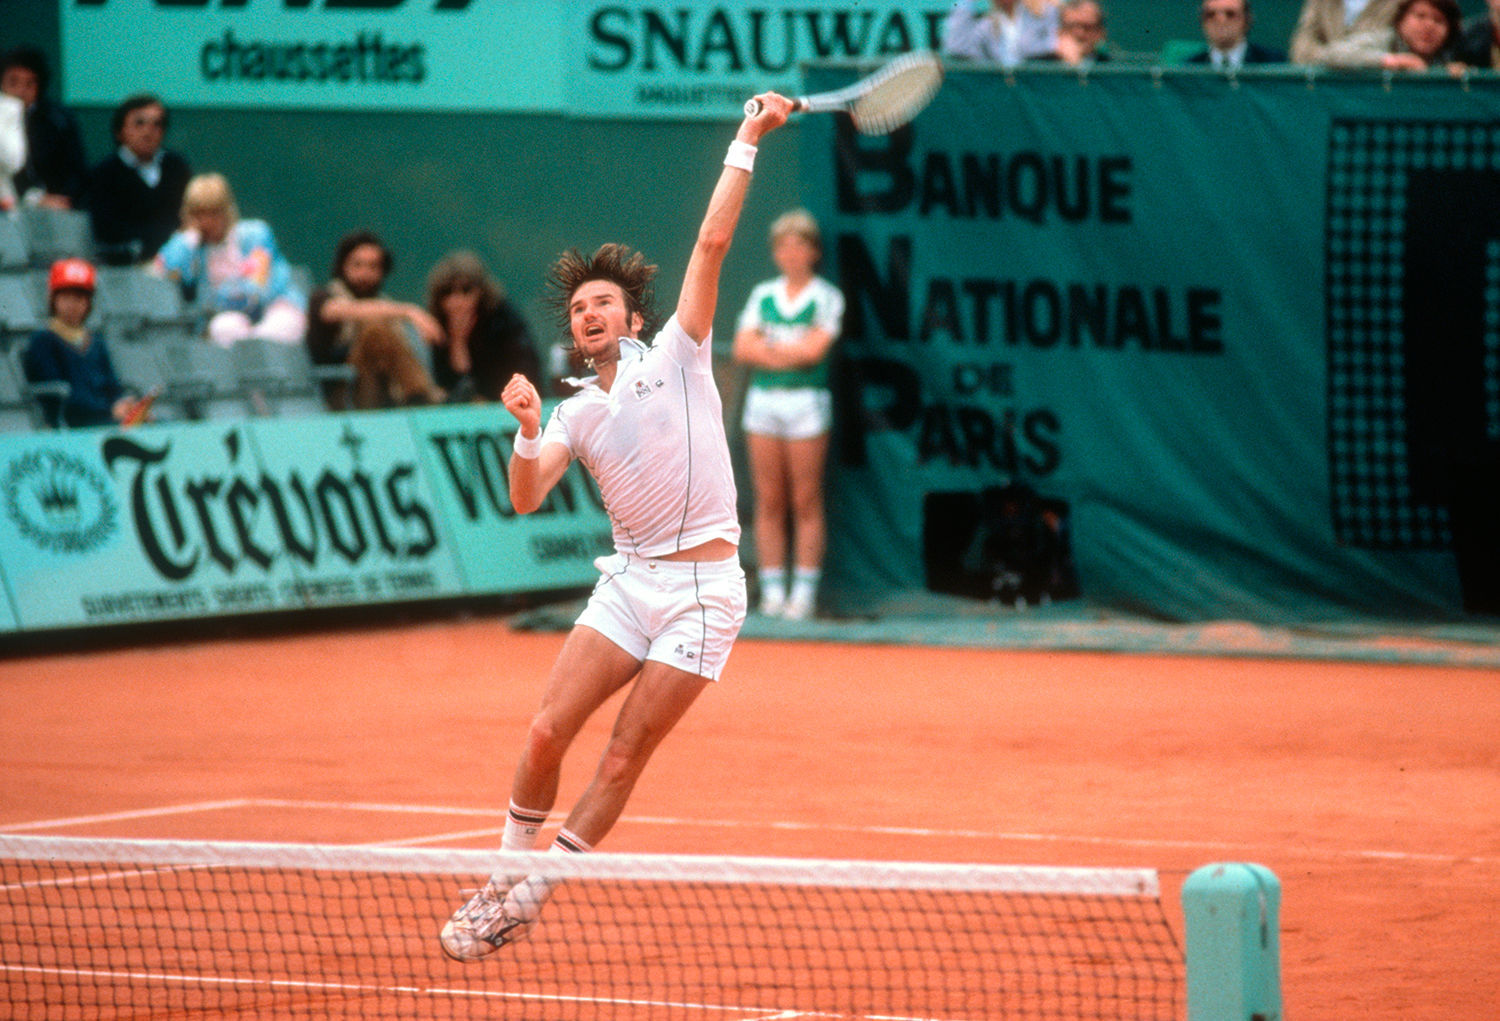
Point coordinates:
[[68, 351]]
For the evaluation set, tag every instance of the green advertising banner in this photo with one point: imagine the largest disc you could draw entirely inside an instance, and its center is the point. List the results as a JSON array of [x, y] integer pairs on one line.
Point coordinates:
[[588, 59], [8, 615], [154, 524], [169, 522], [1187, 344], [356, 519], [350, 55], [465, 452], [650, 59]]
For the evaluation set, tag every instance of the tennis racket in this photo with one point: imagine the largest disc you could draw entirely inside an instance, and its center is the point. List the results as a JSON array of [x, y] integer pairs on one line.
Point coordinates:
[[882, 102]]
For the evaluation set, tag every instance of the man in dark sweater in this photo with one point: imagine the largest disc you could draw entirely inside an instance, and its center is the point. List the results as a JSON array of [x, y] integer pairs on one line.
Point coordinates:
[[135, 195], [55, 165]]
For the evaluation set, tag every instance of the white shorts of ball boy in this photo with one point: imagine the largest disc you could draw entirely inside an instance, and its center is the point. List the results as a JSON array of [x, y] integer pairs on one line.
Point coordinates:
[[685, 614], [788, 413]]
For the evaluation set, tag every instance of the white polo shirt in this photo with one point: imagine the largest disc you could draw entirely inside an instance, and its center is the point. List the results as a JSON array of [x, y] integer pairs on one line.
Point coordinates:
[[655, 444]]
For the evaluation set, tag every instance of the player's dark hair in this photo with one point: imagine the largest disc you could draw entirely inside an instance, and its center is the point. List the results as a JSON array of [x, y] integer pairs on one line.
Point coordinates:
[[130, 105], [356, 239], [617, 264], [33, 60]]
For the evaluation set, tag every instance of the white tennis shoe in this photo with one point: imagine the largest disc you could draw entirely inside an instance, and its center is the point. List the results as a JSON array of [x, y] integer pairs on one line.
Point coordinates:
[[482, 926], [772, 603], [798, 607]]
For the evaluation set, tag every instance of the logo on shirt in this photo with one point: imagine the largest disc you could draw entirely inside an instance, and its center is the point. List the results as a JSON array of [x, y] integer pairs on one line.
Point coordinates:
[[642, 389]]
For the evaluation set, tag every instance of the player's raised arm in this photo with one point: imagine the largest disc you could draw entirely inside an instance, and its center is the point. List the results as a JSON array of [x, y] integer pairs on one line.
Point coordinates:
[[700, 285]]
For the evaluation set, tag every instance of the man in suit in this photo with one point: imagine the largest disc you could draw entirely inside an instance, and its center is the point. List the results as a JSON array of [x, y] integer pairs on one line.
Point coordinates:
[[135, 194], [1226, 29], [1327, 21]]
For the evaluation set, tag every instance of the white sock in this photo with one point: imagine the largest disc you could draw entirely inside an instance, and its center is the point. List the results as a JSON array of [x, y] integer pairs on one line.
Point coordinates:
[[805, 585], [772, 584], [526, 898], [521, 828]]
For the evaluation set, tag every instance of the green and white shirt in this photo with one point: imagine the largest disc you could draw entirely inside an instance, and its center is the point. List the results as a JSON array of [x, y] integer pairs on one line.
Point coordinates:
[[783, 319]]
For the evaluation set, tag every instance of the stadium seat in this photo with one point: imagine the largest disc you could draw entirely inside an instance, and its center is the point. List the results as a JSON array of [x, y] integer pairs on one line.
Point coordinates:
[[302, 278], [22, 402], [277, 379], [57, 234], [201, 378], [14, 251], [138, 363], [20, 313], [14, 415], [133, 296]]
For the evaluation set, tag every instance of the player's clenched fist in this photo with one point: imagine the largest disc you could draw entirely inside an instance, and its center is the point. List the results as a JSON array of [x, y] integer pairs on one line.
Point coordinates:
[[521, 400]]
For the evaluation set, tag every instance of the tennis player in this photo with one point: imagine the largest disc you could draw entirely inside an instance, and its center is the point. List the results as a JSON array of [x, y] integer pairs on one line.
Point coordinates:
[[649, 427]]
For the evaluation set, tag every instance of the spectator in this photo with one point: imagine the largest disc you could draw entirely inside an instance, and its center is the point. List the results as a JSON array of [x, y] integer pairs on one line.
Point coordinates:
[[12, 148], [135, 194], [485, 340], [784, 335], [232, 269], [68, 351], [1226, 29], [55, 166], [1080, 35], [1422, 34], [1479, 39], [1324, 22], [352, 321], [1003, 32]]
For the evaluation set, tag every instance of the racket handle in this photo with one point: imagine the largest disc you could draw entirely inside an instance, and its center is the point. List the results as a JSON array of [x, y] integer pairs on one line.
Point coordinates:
[[752, 106]]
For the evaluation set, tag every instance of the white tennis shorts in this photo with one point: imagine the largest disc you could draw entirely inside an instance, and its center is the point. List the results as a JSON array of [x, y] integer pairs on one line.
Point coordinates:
[[788, 413], [685, 614]]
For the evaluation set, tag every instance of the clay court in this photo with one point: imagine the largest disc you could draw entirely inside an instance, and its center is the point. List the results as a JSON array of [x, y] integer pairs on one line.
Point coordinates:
[[1371, 790]]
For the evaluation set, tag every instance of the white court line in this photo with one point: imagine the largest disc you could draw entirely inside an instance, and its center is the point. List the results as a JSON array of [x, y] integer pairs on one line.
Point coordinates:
[[141, 813], [442, 838], [898, 831], [375, 806], [363, 989], [1062, 838], [771, 824]]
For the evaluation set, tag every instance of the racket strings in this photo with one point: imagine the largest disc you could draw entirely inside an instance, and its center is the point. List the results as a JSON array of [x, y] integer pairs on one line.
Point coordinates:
[[897, 96]]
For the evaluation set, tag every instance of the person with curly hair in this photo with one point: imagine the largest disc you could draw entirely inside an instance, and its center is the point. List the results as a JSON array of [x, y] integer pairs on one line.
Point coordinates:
[[352, 321], [649, 427], [485, 340]]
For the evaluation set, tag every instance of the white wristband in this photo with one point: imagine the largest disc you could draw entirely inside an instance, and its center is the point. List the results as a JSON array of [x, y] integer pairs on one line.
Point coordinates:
[[741, 155], [529, 447]]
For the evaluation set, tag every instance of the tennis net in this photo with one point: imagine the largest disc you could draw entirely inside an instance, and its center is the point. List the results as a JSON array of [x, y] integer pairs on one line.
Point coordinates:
[[116, 929]]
